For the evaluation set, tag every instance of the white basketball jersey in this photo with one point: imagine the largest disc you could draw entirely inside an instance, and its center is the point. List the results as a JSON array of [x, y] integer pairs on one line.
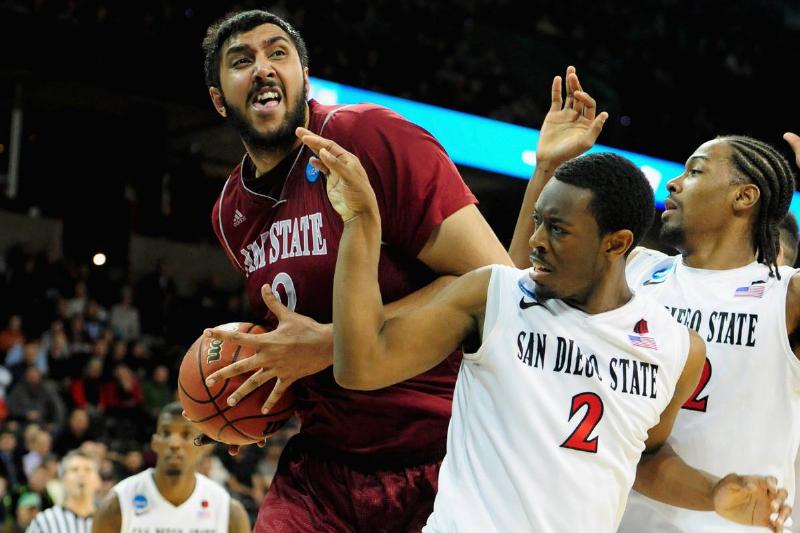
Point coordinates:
[[744, 416], [551, 414], [144, 510]]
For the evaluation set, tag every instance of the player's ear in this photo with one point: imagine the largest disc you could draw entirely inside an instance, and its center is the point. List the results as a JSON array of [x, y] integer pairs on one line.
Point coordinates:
[[218, 100], [617, 243], [747, 196], [308, 82]]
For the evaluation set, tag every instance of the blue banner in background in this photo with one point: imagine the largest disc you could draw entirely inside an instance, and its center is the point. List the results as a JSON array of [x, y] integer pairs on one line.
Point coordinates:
[[488, 144]]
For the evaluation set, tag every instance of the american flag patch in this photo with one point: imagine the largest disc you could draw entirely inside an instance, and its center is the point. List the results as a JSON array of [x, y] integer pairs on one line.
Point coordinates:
[[753, 291], [643, 342]]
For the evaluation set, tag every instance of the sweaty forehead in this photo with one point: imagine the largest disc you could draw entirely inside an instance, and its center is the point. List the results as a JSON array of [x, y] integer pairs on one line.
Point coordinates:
[[564, 201], [713, 151], [255, 37]]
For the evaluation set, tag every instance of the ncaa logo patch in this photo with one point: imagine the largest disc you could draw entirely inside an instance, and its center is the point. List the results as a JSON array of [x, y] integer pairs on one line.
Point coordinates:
[[139, 503], [659, 276], [311, 173]]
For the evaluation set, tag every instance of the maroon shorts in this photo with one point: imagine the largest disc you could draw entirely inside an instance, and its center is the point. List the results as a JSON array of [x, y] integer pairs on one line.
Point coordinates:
[[312, 493]]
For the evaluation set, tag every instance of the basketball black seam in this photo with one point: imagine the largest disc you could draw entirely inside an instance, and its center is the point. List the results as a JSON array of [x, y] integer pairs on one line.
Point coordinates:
[[250, 417], [208, 391]]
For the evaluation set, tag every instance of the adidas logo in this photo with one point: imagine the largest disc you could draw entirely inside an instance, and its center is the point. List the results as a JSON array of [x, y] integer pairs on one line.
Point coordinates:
[[238, 218]]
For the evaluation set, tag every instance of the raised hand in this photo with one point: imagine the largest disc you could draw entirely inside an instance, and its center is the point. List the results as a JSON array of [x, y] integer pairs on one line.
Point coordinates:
[[298, 347], [348, 186], [571, 126], [752, 501], [794, 141]]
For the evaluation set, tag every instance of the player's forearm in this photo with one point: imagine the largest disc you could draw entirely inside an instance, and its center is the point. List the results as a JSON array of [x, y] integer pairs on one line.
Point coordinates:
[[665, 477], [358, 313], [519, 250]]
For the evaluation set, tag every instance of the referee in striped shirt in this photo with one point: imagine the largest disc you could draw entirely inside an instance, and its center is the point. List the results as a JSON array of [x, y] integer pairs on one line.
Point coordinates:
[[81, 478]]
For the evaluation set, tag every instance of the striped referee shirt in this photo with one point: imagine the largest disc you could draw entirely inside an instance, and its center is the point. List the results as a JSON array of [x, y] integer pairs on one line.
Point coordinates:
[[59, 520]]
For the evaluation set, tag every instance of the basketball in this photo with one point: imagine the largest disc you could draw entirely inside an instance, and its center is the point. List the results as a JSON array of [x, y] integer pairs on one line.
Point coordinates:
[[207, 407]]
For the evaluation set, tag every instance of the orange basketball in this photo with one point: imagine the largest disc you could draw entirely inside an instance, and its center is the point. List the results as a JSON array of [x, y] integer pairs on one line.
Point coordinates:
[[207, 406]]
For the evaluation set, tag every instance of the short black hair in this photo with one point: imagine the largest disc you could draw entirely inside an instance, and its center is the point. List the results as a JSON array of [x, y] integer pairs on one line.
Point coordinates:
[[622, 198], [767, 169], [239, 22], [789, 236], [174, 409]]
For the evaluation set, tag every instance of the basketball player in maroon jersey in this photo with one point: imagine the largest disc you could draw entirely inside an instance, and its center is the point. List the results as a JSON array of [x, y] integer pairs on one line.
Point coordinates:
[[363, 461]]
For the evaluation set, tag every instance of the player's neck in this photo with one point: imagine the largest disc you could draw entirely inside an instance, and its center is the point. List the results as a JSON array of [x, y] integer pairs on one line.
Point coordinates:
[[175, 489], [82, 507], [725, 251], [266, 160], [609, 294]]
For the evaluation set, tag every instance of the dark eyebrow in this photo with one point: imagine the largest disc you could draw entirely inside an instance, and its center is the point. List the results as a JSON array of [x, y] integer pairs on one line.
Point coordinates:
[[240, 48], [553, 219], [705, 158], [236, 49]]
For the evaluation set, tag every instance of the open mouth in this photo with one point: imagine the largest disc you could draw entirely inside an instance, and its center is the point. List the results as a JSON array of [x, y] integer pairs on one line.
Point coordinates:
[[265, 99], [539, 269], [670, 205]]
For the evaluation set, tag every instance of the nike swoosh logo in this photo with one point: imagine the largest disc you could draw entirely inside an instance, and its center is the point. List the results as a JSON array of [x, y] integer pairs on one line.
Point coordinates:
[[525, 305]]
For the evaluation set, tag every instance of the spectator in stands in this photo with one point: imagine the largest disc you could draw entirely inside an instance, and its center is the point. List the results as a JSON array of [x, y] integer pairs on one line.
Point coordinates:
[[125, 318], [12, 334], [20, 356], [76, 306], [28, 507], [11, 459], [41, 447], [80, 343], [140, 359], [157, 391], [37, 483], [5, 382], [36, 400], [123, 397], [86, 391], [95, 320], [78, 430], [6, 506]]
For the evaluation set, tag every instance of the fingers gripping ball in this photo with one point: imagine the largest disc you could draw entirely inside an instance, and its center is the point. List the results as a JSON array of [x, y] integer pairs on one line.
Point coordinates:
[[207, 406]]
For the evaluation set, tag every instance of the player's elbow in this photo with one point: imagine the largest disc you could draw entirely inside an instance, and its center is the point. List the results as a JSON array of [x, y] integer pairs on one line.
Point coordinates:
[[353, 378]]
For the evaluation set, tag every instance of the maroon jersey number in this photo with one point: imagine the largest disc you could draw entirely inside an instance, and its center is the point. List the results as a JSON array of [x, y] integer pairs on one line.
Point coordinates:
[[579, 439], [695, 402]]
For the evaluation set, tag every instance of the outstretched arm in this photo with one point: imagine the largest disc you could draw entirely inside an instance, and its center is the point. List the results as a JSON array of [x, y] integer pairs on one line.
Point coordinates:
[[371, 351], [570, 128], [108, 518], [238, 521], [662, 475]]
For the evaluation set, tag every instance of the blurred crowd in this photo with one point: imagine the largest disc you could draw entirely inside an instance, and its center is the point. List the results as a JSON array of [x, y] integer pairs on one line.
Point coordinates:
[[491, 57], [87, 362]]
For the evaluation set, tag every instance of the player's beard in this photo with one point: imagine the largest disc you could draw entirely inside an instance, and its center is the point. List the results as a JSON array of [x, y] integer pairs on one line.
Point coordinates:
[[673, 236], [282, 138]]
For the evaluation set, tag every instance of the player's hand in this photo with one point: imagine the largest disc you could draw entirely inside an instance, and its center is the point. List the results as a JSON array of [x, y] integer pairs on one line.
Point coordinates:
[[348, 186], [233, 449], [794, 141], [298, 347], [752, 501], [571, 126]]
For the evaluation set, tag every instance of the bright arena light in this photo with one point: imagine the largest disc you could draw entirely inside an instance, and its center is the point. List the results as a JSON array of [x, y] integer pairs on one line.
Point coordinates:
[[99, 259]]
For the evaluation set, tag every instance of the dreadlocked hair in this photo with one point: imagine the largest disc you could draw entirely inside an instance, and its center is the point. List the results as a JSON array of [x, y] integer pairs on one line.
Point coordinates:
[[768, 170]]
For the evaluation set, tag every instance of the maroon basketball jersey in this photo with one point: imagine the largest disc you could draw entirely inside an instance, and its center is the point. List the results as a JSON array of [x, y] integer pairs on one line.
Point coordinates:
[[281, 229]]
